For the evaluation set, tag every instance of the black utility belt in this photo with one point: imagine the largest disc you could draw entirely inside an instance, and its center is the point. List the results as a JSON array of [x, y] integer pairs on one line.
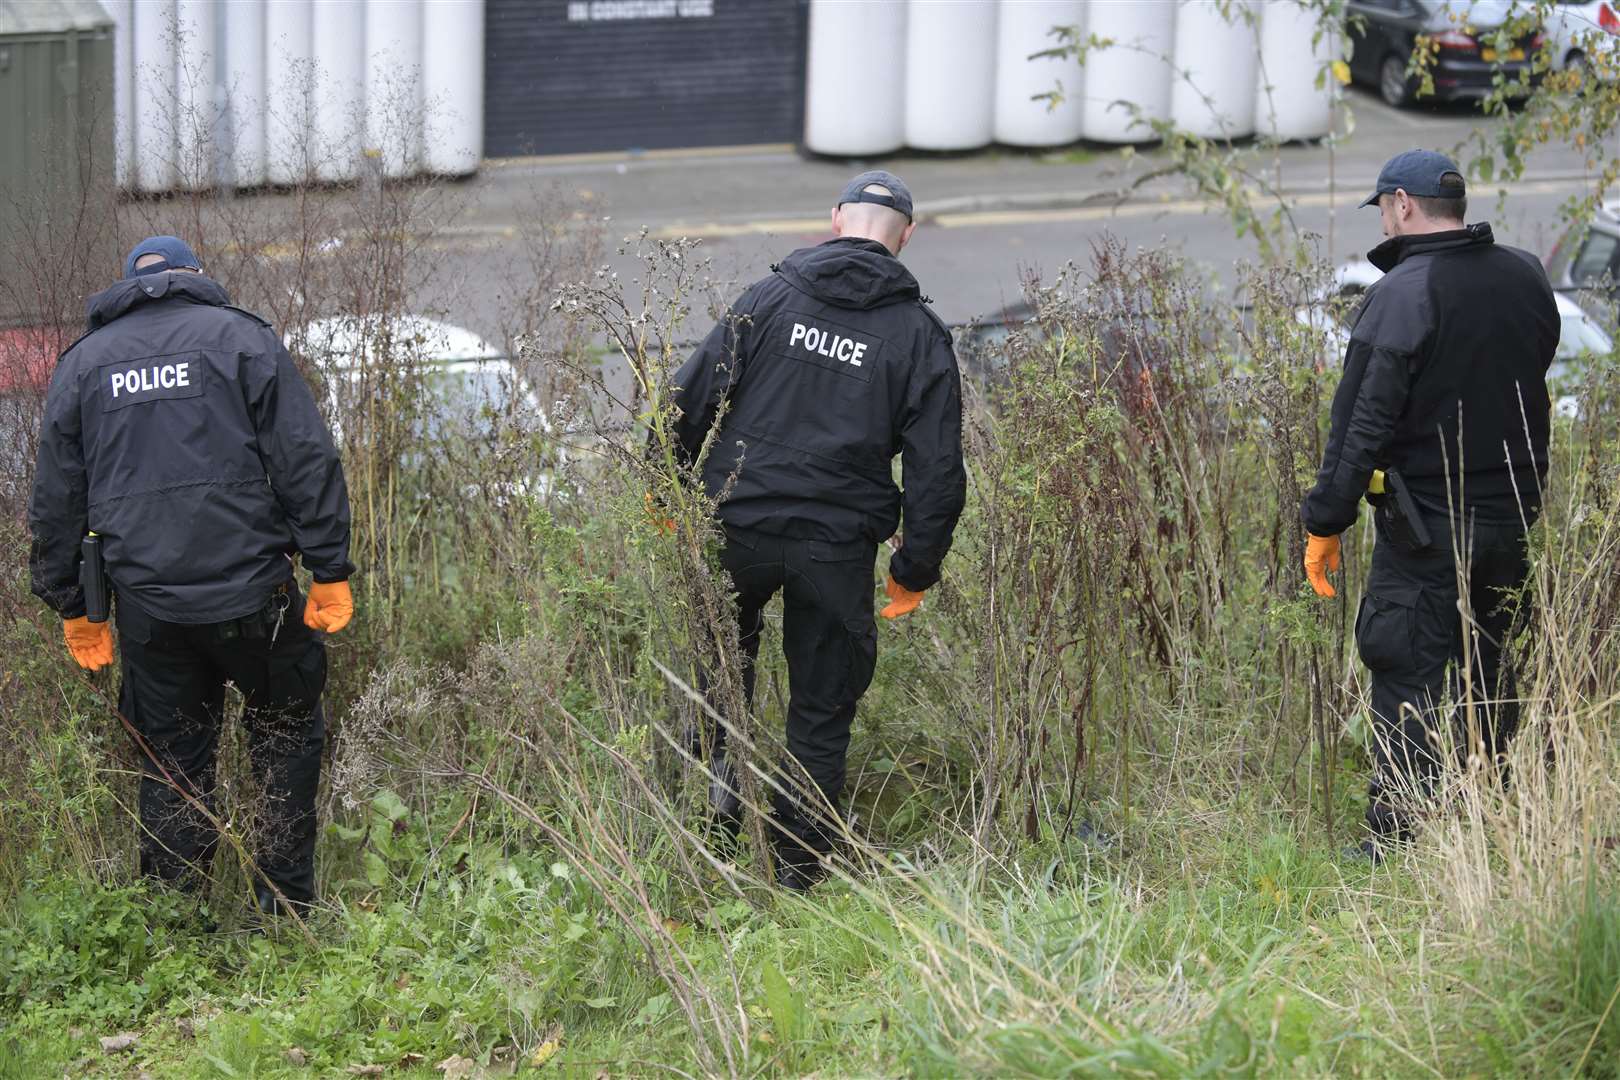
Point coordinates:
[[261, 624], [1400, 515]]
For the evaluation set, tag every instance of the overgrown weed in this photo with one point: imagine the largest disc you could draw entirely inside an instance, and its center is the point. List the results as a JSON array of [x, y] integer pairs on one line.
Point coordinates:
[[1098, 788]]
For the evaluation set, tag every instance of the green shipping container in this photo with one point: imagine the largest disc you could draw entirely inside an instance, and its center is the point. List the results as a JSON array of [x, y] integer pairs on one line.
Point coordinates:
[[56, 132]]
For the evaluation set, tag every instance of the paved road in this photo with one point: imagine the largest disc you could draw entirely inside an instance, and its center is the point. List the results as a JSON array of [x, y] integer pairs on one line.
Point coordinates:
[[985, 216]]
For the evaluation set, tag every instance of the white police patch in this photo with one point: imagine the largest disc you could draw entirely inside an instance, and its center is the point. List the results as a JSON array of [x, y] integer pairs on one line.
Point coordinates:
[[828, 343], [815, 340], [155, 378]]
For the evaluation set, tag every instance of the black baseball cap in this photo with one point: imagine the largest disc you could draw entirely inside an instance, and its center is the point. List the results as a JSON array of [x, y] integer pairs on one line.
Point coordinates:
[[176, 254], [899, 197], [1419, 172]]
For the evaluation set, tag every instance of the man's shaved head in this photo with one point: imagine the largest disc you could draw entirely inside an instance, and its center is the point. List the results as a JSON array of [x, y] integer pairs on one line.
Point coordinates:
[[872, 221]]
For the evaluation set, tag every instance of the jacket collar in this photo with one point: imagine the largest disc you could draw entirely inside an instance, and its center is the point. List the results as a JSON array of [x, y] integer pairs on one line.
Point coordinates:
[[1397, 249], [124, 296], [850, 272]]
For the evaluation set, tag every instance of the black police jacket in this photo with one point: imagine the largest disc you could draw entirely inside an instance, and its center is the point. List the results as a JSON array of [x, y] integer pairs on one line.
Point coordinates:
[[1444, 381], [827, 369], [179, 430]]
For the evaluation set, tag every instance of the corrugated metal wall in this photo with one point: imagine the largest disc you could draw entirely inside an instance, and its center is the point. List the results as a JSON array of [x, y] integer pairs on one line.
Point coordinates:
[[569, 76]]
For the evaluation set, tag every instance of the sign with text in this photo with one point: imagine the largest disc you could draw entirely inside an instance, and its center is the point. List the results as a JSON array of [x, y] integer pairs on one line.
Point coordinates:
[[619, 10]]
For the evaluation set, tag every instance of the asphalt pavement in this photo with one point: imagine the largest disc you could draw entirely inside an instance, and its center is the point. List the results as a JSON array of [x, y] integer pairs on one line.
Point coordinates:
[[984, 218]]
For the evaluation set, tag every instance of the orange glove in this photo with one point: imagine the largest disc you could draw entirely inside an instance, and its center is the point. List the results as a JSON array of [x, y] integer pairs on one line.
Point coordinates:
[[329, 607], [902, 601], [1321, 555], [89, 642]]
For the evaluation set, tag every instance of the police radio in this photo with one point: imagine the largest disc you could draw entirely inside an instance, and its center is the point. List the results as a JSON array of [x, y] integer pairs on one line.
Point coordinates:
[[93, 576]]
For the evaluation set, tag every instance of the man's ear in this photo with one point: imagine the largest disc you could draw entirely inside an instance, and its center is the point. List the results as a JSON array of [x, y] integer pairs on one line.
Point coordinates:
[[1403, 204], [837, 222], [905, 235]]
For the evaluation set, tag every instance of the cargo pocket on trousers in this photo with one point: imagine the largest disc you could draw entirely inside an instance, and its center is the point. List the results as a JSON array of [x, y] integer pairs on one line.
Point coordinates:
[[1385, 627], [310, 671], [862, 635], [134, 625]]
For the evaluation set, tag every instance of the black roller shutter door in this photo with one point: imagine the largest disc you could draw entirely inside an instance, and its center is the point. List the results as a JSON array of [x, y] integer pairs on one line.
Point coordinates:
[[569, 76]]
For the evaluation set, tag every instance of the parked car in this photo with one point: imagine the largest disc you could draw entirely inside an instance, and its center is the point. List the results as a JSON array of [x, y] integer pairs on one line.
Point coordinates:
[[465, 376], [1333, 309], [467, 389], [1587, 256], [1578, 30], [1384, 34], [1138, 357], [1580, 336], [981, 344]]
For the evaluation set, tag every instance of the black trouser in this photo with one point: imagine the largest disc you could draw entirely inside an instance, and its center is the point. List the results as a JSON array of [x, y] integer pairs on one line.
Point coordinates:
[[829, 637], [174, 695], [1411, 637]]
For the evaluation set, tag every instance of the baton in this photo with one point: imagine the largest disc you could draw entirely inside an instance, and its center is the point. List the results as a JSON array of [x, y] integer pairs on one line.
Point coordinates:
[[93, 576]]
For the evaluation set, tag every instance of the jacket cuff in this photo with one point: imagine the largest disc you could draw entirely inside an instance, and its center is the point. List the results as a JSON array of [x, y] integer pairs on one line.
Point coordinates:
[[1322, 518], [911, 578], [67, 601], [328, 573]]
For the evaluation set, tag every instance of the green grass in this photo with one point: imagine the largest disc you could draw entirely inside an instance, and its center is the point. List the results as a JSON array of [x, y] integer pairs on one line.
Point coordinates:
[[1241, 952]]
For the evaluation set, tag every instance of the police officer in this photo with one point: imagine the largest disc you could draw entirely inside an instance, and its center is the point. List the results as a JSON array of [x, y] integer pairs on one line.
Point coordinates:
[[1441, 419], [179, 432], [827, 368]]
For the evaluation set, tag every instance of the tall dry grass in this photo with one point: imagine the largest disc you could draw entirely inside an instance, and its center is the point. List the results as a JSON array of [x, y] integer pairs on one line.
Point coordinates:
[[1121, 687]]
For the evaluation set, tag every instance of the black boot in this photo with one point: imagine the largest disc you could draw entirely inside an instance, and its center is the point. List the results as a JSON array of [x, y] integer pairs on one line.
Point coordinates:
[[797, 867], [1389, 826], [725, 807], [1378, 843], [270, 906], [799, 846], [1368, 851]]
